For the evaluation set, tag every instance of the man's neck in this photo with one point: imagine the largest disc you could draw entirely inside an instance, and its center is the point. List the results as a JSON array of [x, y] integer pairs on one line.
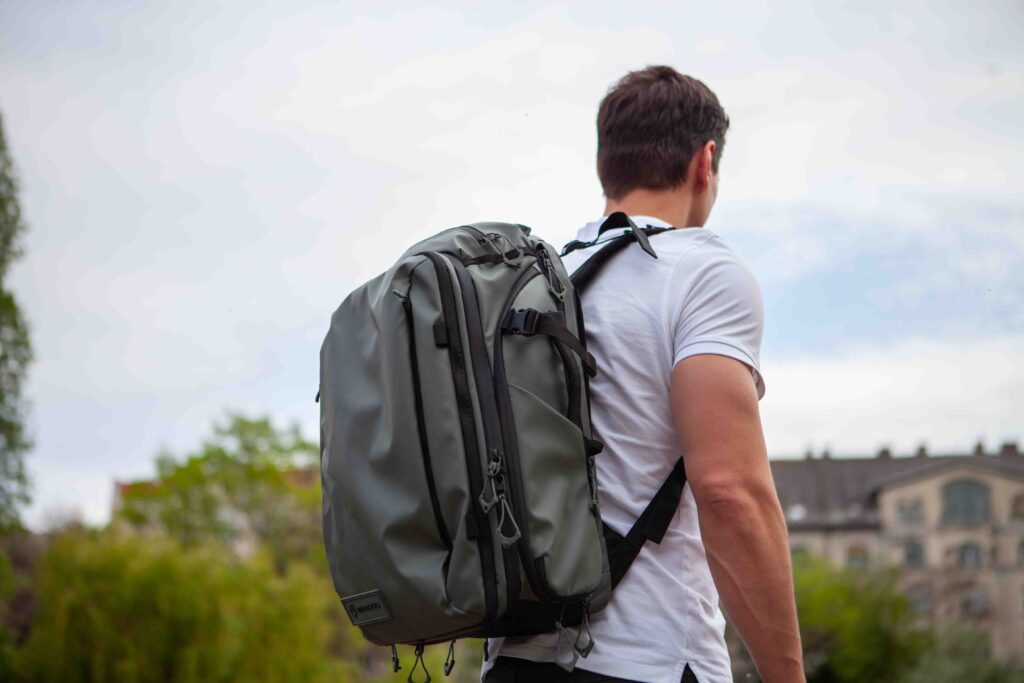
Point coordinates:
[[674, 208]]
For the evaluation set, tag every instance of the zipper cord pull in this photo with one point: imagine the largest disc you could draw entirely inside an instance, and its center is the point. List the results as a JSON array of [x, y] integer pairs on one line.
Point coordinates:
[[507, 516], [496, 478], [418, 663], [449, 661], [485, 504], [565, 658], [554, 284], [584, 650], [396, 664]]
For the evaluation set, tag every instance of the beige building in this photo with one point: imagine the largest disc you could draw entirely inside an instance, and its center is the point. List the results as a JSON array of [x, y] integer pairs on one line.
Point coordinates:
[[953, 523]]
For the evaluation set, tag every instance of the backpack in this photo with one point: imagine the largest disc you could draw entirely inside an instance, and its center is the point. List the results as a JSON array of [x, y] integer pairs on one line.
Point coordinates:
[[460, 494]]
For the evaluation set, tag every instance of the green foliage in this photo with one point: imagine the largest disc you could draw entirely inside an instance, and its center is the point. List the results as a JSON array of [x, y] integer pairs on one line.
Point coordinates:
[[134, 609], [248, 483], [856, 625], [15, 353], [8, 584], [961, 655]]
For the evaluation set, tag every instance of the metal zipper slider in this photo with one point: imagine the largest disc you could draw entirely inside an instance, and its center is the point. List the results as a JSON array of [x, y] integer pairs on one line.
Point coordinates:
[[495, 480]]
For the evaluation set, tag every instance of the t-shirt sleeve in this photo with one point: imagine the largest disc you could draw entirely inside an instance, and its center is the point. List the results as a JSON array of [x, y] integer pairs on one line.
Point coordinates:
[[718, 310]]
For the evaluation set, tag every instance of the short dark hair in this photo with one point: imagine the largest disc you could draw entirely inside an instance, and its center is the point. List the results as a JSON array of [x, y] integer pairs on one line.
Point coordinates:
[[649, 126]]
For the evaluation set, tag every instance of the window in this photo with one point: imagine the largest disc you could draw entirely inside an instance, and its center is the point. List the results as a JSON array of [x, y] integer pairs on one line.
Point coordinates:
[[969, 556], [920, 597], [913, 554], [965, 501], [910, 511], [1017, 508], [975, 602], [856, 557]]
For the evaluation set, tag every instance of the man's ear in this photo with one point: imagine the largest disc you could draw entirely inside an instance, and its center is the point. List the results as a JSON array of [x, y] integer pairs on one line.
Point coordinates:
[[702, 175]]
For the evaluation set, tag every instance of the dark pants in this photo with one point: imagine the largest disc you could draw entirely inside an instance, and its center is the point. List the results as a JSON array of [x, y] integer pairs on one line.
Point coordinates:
[[512, 670]]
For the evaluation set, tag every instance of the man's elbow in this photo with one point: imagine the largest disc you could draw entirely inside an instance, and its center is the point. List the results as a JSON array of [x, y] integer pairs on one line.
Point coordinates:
[[738, 503]]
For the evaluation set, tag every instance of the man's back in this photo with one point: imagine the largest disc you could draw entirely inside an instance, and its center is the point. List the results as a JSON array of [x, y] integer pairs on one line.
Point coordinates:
[[643, 316], [677, 340]]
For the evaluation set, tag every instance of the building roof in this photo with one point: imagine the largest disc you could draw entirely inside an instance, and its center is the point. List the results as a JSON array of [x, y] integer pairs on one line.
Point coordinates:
[[840, 493]]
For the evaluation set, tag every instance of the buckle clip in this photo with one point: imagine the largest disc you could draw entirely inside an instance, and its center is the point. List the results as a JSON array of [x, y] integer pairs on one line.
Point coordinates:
[[522, 321]]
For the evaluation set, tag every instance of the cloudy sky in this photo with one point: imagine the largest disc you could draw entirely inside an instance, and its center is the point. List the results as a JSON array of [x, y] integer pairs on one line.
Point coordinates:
[[204, 182]]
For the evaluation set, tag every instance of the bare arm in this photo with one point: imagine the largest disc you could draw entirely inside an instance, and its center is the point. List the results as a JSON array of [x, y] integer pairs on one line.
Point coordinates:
[[714, 405]]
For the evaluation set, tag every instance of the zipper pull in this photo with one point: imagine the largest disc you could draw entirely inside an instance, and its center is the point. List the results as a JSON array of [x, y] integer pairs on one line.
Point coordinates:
[[449, 661], [507, 516], [485, 504], [554, 284], [496, 481], [584, 650], [496, 477], [566, 661]]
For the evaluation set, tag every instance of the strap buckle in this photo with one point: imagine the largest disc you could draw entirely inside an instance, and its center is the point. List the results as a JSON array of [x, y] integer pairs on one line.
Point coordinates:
[[522, 321]]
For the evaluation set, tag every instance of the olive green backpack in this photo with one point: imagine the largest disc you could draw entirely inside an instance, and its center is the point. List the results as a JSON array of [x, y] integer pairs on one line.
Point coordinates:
[[460, 496]]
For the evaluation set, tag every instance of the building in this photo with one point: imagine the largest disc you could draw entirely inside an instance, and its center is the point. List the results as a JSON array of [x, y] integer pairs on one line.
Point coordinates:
[[953, 523]]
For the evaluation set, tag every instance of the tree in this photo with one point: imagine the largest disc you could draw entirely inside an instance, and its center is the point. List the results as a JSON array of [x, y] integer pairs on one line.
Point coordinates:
[[15, 352], [123, 608], [249, 484], [961, 654], [856, 624]]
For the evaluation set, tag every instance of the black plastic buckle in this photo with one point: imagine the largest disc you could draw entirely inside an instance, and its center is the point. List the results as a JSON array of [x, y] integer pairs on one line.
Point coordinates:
[[522, 321]]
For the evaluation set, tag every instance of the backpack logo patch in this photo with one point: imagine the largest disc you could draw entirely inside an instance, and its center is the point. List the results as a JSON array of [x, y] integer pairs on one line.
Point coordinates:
[[366, 608]]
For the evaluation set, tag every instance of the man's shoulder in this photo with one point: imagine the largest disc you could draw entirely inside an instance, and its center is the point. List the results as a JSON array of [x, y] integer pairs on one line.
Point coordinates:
[[702, 254]]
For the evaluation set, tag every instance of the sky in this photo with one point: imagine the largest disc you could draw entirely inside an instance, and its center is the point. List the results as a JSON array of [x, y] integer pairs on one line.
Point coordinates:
[[204, 182]]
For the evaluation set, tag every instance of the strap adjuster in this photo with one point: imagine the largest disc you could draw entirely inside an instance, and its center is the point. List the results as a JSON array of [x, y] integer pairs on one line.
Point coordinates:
[[522, 321]]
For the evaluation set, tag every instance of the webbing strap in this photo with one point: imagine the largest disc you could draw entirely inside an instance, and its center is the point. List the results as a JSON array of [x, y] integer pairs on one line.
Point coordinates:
[[530, 321], [583, 275], [650, 526]]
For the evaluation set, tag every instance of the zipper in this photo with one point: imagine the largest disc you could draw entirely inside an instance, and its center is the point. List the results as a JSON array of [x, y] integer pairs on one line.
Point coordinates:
[[421, 428], [508, 429], [492, 436], [538, 581], [457, 356]]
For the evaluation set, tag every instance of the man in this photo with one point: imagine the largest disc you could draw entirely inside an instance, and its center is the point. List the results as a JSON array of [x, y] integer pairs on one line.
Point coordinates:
[[677, 340]]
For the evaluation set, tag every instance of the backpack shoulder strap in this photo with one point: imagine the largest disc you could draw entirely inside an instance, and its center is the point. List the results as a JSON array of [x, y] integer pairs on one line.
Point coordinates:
[[583, 275], [650, 526]]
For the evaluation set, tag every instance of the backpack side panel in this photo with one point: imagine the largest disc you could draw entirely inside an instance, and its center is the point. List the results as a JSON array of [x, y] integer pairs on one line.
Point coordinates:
[[386, 546]]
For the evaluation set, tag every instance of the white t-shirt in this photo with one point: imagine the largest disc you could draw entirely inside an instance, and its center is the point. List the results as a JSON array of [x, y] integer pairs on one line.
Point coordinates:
[[644, 315]]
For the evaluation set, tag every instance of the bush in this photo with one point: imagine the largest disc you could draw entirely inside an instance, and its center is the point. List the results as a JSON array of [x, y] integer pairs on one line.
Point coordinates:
[[856, 625], [135, 609], [961, 655]]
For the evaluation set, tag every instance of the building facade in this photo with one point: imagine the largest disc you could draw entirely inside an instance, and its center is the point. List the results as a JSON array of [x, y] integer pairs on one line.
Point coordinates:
[[954, 524]]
